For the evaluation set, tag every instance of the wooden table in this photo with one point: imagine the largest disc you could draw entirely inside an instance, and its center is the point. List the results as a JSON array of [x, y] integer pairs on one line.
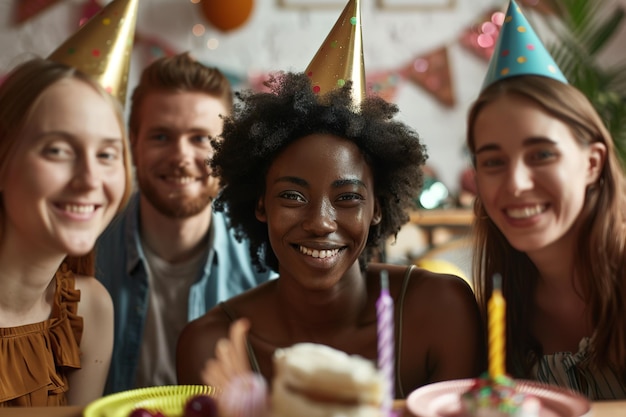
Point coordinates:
[[598, 409], [452, 218], [73, 411], [442, 217]]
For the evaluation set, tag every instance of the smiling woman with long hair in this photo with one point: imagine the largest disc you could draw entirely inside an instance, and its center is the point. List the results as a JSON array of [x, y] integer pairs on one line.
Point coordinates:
[[64, 174]]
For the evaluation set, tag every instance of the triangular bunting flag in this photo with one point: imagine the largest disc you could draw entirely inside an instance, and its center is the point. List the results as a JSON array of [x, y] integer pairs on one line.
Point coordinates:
[[542, 6], [383, 84], [90, 9], [155, 47], [432, 72], [25, 9]]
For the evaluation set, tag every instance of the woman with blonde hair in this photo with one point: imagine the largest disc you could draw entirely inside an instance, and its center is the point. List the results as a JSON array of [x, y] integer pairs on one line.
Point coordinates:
[[64, 174]]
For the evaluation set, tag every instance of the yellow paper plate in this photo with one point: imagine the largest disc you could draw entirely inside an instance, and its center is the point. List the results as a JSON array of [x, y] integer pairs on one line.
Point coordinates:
[[170, 400]]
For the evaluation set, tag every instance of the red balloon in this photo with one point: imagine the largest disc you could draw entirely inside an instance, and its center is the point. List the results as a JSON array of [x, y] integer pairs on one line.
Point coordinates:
[[227, 14]]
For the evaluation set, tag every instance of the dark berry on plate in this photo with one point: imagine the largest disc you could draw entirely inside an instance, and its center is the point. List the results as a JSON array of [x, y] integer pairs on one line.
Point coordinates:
[[141, 412], [200, 406]]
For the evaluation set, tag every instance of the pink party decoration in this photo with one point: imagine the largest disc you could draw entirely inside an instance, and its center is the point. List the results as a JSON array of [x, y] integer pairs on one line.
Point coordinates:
[[90, 8], [245, 395], [480, 38], [257, 80], [383, 84], [386, 341], [155, 47], [25, 9], [431, 71]]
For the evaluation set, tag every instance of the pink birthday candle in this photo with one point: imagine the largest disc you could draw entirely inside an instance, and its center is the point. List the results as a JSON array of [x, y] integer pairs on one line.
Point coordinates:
[[386, 342]]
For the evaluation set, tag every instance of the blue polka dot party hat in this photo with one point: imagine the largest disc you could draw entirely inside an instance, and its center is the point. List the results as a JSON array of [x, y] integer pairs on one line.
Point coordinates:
[[519, 51], [340, 58]]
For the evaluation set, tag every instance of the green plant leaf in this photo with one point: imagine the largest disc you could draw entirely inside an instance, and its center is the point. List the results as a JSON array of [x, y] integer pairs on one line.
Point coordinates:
[[583, 30]]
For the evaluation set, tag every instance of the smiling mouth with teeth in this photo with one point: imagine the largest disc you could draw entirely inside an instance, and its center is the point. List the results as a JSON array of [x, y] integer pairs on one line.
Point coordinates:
[[181, 180], [324, 253], [526, 212], [82, 209]]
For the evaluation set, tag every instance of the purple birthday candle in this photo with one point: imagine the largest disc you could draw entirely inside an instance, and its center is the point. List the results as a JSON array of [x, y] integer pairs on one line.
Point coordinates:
[[386, 342]]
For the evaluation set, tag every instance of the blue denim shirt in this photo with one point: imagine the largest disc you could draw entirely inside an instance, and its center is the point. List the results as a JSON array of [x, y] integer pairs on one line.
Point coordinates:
[[121, 267]]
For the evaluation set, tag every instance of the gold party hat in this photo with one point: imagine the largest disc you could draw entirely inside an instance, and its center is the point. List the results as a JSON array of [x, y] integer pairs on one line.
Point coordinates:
[[102, 47], [340, 58]]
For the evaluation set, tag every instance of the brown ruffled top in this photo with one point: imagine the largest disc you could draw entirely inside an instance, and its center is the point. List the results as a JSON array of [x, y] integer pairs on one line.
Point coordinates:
[[35, 359]]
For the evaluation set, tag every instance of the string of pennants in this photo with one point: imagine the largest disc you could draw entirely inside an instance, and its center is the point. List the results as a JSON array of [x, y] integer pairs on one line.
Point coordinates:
[[430, 71]]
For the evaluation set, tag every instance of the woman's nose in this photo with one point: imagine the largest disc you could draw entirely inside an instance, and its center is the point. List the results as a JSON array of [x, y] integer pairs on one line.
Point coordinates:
[[320, 218], [520, 178], [86, 174]]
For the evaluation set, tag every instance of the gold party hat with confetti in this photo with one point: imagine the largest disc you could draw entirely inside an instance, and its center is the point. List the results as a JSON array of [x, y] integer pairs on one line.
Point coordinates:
[[519, 51], [102, 47], [340, 58]]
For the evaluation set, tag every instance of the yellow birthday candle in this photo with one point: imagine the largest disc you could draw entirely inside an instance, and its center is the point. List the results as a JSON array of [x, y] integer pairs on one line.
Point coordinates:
[[496, 310]]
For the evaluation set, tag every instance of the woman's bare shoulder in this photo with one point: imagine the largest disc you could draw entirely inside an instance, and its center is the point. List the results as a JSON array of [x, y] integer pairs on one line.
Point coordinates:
[[214, 320], [437, 281], [421, 280], [427, 291], [94, 297]]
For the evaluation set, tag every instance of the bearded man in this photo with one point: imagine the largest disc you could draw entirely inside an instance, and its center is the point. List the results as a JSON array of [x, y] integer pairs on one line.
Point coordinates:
[[168, 258]]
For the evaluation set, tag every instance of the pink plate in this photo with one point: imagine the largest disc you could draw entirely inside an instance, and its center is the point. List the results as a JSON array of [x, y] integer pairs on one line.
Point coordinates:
[[443, 399]]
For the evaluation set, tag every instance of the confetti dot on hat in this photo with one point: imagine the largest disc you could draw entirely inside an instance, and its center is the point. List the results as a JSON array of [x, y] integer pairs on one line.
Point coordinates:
[[519, 51], [353, 20]]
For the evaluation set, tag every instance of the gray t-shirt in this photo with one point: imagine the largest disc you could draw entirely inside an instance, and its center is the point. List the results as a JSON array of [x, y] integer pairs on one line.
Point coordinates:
[[166, 316]]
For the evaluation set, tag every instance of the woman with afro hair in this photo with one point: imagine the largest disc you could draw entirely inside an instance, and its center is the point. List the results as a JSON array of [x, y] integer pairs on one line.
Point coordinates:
[[317, 184]]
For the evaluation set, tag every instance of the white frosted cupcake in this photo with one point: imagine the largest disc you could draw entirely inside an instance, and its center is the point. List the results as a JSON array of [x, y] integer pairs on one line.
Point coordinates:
[[314, 380]]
